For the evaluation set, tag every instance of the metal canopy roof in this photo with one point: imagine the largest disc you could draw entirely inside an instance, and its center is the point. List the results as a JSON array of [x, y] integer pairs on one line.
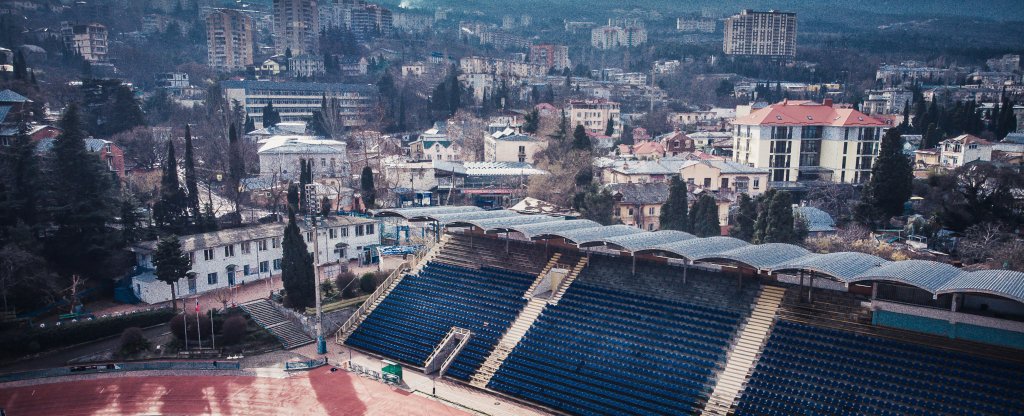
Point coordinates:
[[586, 235], [697, 247], [423, 213], [1006, 283], [761, 256], [464, 217], [552, 227], [641, 240], [842, 266], [925, 274], [493, 225]]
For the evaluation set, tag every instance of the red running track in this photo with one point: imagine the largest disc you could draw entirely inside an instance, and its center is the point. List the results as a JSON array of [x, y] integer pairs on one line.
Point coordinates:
[[318, 392]]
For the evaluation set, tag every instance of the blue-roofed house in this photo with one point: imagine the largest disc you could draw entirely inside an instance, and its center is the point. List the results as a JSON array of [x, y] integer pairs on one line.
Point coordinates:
[[819, 223]]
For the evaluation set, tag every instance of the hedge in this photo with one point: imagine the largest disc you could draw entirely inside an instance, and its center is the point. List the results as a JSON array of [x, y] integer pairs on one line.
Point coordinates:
[[20, 342]]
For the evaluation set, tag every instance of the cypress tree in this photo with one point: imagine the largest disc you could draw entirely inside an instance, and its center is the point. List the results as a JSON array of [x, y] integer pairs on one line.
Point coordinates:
[[763, 204], [610, 129], [674, 213], [191, 184], [891, 182], [704, 217], [296, 268], [580, 139], [293, 197], [743, 221], [171, 264], [250, 125], [271, 117], [236, 167], [780, 220], [171, 211], [369, 191]]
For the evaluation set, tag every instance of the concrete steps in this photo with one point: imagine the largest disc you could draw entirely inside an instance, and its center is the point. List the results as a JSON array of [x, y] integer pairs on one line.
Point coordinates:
[[568, 280], [266, 314], [746, 350], [508, 341], [543, 273]]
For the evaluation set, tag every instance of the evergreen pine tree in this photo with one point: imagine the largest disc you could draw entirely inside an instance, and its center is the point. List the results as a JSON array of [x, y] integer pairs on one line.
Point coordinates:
[[171, 264], [610, 129], [891, 182], [124, 113], [674, 213], [250, 125], [191, 184], [81, 201], [906, 116], [293, 197], [171, 211], [367, 187], [271, 117], [580, 139], [704, 217], [20, 188], [743, 220], [763, 203], [597, 205], [296, 268]]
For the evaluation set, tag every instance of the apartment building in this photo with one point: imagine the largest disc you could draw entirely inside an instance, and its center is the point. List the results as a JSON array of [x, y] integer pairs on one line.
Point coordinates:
[[687, 25], [550, 56], [957, 151], [296, 26], [770, 33], [808, 141], [296, 101], [229, 39], [89, 40], [594, 115], [509, 146], [238, 256], [612, 37], [282, 155]]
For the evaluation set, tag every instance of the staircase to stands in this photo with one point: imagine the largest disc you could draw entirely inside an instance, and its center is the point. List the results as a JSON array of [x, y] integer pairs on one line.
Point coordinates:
[[266, 314]]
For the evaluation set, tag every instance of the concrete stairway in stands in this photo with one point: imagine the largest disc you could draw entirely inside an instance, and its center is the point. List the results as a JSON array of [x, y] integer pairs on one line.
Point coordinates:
[[743, 356], [266, 314], [541, 276], [515, 333], [568, 280]]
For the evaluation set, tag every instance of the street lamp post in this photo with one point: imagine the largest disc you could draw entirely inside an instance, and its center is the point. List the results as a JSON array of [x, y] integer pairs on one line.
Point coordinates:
[[311, 205]]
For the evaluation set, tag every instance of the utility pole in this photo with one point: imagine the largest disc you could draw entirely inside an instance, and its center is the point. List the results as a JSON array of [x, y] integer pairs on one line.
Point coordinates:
[[311, 208]]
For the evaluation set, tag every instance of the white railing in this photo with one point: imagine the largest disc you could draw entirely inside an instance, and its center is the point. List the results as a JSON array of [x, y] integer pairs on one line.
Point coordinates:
[[368, 303], [463, 336]]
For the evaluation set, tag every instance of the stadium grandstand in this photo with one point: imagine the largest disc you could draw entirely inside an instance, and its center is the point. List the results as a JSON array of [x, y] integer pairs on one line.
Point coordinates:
[[577, 318]]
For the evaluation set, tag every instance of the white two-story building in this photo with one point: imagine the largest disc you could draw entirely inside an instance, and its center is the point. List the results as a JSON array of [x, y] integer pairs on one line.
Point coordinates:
[[241, 256]]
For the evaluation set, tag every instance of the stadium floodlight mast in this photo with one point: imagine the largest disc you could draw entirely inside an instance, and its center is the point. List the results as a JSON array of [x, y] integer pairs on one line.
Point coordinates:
[[312, 209]]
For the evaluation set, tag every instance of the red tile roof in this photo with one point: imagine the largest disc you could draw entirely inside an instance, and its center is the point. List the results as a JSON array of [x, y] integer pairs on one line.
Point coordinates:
[[808, 113]]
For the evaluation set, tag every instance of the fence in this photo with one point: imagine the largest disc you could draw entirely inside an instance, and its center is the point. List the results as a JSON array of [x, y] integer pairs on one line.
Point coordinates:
[[305, 365], [120, 367]]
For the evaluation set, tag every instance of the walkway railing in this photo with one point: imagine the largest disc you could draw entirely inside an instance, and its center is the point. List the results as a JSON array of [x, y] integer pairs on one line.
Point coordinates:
[[356, 316], [120, 367]]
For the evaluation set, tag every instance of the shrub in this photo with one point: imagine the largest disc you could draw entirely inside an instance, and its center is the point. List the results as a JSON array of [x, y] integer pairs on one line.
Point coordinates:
[[368, 282], [345, 280], [326, 289], [179, 324], [133, 341], [40, 339], [234, 330]]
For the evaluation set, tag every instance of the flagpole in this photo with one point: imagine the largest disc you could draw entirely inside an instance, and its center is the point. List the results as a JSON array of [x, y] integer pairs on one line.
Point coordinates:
[[199, 332], [213, 340], [184, 320]]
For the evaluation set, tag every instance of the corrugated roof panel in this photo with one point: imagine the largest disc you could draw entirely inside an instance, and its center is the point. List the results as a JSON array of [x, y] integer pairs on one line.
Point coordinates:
[[761, 256], [551, 227], [699, 247], [501, 224], [638, 241], [584, 235], [925, 274], [843, 266], [423, 212], [1006, 283], [459, 217]]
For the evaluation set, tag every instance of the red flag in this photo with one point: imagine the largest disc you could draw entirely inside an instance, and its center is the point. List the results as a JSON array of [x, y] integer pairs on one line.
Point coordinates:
[[197, 305]]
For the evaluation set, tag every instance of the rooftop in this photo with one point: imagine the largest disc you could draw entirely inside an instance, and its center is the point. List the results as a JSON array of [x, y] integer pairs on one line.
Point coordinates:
[[299, 86], [301, 144], [808, 113]]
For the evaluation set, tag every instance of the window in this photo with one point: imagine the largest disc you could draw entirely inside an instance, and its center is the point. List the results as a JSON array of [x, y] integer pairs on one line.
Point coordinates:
[[208, 254], [359, 230], [191, 258], [309, 236], [757, 183], [707, 182], [245, 270], [650, 210], [277, 264], [246, 247], [332, 233], [369, 229], [229, 250], [211, 279], [275, 242], [689, 181], [344, 231], [264, 266], [650, 227], [261, 245], [630, 212], [725, 183], [811, 132]]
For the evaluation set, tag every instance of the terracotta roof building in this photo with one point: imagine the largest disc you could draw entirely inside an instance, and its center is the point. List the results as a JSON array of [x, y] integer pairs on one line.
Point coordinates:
[[808, 141]]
